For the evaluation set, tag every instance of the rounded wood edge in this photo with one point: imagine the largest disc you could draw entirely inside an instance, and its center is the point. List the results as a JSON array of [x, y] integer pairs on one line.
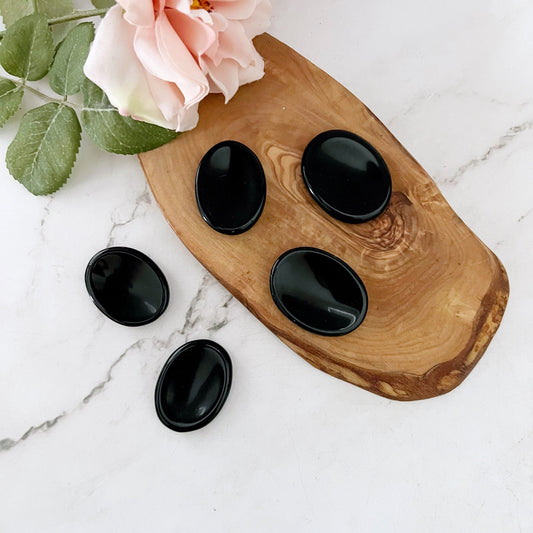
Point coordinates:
[[443, 377]]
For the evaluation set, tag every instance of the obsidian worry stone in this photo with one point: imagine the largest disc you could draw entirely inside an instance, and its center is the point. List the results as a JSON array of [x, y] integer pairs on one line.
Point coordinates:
[[346, 176], [230, 188], [193, 385], [127, 286], [318, 291]]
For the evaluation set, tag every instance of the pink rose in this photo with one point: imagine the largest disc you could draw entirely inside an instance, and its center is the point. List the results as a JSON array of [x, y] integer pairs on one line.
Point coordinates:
[[156, 59]]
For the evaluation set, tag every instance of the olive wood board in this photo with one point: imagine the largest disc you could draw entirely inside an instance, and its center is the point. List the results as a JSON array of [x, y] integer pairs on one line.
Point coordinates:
[[436, 293]]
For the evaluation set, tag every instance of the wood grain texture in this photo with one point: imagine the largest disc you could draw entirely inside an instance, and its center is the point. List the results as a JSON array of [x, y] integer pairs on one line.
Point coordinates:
[[436, 292]]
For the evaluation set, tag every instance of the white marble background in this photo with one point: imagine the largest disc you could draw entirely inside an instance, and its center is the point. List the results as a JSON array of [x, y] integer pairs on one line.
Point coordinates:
[[81, 448]]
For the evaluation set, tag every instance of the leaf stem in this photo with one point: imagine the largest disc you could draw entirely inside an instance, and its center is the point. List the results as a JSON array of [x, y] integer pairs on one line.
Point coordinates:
[[22, 84], [77, 15]]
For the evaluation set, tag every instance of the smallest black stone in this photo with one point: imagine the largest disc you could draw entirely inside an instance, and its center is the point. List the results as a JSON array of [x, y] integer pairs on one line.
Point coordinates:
[[230, 188], [346, 176], [127, 286]]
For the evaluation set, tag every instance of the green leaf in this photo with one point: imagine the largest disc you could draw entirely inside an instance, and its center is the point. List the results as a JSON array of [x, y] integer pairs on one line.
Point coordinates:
[[55, 8], [10, 100], [13, 10], [27, 49], [60, 31], [115, 133], [44, 150], [103, 3], [66, 74]]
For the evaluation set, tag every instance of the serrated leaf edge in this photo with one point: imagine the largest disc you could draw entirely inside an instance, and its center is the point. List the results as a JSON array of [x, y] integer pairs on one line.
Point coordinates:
[[72, 50], [75, 158], [15, 89], [128, 151]]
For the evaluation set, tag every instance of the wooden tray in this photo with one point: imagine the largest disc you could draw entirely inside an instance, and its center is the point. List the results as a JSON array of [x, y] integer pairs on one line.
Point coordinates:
[[436, 292]]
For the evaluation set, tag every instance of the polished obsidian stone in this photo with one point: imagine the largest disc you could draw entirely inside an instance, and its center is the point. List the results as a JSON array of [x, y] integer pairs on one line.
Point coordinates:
[[193, 385], [318, 291], [127, 286], [230, 188], [347, 176]]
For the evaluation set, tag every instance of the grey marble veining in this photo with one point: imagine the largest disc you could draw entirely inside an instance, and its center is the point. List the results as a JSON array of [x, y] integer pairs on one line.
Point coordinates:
[[503, 142], [202, 314], [142, 201]]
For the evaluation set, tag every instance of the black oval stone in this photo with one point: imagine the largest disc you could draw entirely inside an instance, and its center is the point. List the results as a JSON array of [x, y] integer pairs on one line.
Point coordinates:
[[318, 291], [127, 286], [193, 385], [347, 176], [230, 188]]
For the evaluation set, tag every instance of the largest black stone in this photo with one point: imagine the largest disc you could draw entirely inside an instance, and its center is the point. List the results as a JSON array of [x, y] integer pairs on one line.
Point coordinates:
[[318, 291]]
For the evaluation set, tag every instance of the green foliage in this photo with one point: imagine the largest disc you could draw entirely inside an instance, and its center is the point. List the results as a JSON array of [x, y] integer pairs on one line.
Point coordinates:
[[13, 10], [103, 3], [60, 31], [45, 147], [54, 8], [66, 74], [115, 133], [44, 150], [27, 48], [10, 100]]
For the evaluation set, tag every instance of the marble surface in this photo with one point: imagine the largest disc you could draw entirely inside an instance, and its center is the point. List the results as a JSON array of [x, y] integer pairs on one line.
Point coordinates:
[[81, 448]]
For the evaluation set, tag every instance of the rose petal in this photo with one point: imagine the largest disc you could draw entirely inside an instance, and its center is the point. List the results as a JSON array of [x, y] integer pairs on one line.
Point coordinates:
[[170, 101], [138, 12], [168, 98], [196, 35], [114, 67], [225, 76], [182, 5], [260, 21], [233, 43], [165, 56], [218, 22], [235, 9], [253, 72]]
